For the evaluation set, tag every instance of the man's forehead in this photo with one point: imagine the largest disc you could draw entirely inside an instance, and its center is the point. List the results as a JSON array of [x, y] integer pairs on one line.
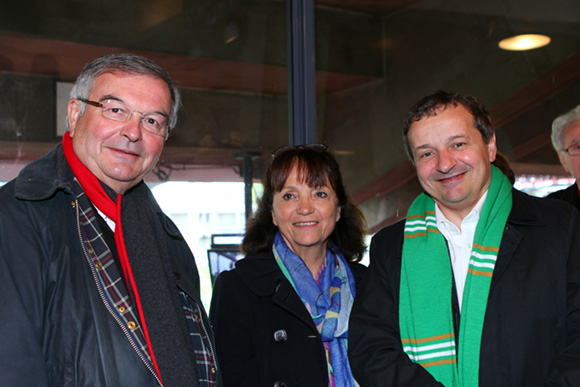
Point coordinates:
[[114, 85]]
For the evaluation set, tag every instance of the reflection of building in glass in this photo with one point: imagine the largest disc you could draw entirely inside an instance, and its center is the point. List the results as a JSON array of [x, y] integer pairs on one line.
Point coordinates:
[[224, 253], [201, 210], [541, 186]]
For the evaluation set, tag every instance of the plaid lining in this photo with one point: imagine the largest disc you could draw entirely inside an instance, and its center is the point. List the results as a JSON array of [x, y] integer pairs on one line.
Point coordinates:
[[111, 285], [204, 354], [113, 291]]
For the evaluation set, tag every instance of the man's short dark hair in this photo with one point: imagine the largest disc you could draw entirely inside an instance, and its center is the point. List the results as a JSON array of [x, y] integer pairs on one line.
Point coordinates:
[[440, 100]]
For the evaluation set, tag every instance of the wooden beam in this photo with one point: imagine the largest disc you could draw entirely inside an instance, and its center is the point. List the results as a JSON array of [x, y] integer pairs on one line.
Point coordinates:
[[390, 181], [536, 92], [387, 222], [529, 147], [371, 7], [66, 59]]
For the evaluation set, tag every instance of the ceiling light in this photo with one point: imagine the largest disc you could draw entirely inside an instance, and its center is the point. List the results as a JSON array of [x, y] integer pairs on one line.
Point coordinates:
[[524, 42]]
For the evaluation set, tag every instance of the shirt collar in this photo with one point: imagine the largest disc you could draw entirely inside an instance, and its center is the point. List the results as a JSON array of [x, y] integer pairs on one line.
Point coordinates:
[[472, 217]]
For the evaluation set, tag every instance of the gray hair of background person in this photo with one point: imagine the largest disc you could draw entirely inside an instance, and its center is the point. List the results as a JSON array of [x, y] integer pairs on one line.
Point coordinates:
[[429, 106], [126, 64], [560, 123]]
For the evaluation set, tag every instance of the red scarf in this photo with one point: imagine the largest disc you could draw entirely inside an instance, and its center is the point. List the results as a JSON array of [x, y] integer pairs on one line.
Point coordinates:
[[97, 195]]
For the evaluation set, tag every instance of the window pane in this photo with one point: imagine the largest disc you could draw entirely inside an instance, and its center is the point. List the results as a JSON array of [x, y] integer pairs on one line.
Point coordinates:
[[390, 53], [228, 58]]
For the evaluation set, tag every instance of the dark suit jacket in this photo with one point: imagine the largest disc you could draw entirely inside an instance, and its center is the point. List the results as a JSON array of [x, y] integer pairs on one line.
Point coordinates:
[[531, 333], [250, 304], [569, 195]]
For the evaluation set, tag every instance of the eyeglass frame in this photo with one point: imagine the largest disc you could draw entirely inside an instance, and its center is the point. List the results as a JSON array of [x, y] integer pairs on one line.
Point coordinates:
[[322, 147], [567, 150], [143, 115]]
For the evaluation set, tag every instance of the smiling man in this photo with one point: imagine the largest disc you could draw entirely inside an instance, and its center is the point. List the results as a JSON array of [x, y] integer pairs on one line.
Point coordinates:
[[97, 285], [480, 284]]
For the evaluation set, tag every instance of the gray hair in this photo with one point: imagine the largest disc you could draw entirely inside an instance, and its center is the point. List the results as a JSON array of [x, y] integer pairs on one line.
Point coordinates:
[[127, 64], [560, 124]]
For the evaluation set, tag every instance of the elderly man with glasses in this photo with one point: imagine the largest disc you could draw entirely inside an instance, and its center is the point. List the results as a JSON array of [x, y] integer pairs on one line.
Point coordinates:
[[97, 285], [566, 141]]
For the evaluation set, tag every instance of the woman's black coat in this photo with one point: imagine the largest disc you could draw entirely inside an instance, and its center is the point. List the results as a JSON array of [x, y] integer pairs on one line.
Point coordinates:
[[264, 334]]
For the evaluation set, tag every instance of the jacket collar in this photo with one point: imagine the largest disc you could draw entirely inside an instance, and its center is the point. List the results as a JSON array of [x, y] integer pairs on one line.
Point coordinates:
[[524, 212], [261, 273], [263, 277], [40, 179]]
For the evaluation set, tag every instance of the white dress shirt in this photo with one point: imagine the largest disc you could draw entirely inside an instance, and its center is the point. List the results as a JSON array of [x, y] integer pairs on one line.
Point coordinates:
[[460, 242], [108, 220]]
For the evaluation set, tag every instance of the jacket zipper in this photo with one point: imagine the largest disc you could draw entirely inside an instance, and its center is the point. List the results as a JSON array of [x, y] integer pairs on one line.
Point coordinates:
[[106, 303]]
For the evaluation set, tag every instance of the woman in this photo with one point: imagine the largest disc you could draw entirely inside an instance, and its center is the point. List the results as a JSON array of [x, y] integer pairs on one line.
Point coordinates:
[[281, 316]]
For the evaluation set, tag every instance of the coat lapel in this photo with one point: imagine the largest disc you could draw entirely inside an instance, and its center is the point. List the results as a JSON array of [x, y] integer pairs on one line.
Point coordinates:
[[263, 277], [523, 213]]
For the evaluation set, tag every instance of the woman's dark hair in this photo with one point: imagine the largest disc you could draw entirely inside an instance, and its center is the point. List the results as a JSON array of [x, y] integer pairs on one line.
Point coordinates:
[[441, 100], [504, 165], [316, 167]]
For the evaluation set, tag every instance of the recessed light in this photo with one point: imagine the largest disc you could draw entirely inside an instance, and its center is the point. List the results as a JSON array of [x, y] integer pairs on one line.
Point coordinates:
[[524, 42]]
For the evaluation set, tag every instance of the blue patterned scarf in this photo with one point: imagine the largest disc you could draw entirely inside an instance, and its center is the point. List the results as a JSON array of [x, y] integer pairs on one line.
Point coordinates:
[[329, 302]]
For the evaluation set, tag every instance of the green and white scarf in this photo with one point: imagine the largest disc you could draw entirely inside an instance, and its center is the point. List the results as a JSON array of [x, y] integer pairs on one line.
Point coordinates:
[[425, 316]]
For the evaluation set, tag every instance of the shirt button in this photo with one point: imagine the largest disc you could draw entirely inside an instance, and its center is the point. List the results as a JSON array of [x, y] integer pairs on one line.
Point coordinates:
[[131, 325], [99, 265], [121, 309], [213, 370]]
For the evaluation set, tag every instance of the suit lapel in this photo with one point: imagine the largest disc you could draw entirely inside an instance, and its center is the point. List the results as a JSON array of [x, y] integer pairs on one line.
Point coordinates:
[[523, 213]]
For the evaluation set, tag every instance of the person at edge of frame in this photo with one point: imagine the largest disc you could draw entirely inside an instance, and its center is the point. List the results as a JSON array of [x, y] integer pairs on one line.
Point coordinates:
[[566, 141]]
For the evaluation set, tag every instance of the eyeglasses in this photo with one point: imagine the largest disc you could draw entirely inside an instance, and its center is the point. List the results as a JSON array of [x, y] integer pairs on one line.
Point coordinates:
[[316, 147], [113, 110], [573, 150]]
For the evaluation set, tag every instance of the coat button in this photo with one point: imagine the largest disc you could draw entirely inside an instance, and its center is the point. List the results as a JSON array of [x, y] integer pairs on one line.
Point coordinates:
[[280, 384], [280, 336]]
